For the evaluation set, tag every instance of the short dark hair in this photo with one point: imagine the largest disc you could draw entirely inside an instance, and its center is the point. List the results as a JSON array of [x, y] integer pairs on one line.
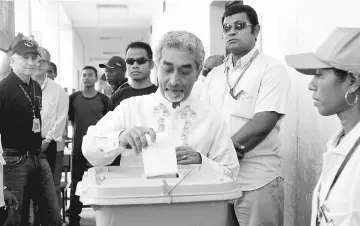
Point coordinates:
[[233, 3], [90, 68], [54, 67], [141, 45], [239, 8]]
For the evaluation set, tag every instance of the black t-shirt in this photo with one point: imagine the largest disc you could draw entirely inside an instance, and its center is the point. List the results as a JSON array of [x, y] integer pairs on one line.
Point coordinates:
[[16, 114], [128, 92], [84, 112]]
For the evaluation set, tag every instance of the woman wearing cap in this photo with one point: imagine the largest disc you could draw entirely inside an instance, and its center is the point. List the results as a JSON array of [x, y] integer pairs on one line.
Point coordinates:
[[336, 87]]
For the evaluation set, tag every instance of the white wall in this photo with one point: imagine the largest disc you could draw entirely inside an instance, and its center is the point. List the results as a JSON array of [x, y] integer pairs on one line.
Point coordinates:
[[192, 16], [65, 68], [217, 43], [78, 60], [51, 27], [22, 17], [294, 26]]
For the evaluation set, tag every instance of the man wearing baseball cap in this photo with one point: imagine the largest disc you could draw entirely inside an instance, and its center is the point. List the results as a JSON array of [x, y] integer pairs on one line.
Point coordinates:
[[336, 89], [26, 172], [115, 70]]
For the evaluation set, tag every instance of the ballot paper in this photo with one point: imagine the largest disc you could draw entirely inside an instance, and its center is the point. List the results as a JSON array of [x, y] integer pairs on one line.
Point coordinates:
[[159, 158]]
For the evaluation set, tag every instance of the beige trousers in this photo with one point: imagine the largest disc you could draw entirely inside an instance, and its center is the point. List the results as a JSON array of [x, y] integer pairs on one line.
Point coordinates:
[[262, 207]]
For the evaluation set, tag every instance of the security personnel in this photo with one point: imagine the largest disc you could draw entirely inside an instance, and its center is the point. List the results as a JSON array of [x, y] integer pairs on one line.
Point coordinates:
[[27, 173]]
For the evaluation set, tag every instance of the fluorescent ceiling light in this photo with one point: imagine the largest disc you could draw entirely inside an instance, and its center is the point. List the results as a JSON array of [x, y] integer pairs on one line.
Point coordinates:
[[111, 6], [98, 59], [111, 38], [111, 53]]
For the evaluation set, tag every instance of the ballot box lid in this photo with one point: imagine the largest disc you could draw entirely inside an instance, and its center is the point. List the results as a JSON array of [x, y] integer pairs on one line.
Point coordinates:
[[116, 185]]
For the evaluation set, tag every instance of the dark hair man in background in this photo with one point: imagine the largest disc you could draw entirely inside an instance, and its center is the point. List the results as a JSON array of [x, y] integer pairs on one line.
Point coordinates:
[[86, 108]]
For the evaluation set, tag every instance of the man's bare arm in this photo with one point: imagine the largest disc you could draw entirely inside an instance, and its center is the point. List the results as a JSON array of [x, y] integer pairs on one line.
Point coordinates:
[[255, 130]]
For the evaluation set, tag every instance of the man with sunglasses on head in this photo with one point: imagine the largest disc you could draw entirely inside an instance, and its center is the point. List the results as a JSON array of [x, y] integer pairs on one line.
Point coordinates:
[[115, 70], [55, 105], [251, 89], [139, 64]]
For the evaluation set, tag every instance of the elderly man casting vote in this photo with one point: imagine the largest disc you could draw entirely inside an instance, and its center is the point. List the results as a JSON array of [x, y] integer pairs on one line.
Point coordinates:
[[199, 135]]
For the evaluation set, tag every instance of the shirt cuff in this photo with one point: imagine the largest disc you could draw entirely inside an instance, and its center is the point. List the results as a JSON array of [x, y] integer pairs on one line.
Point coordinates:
[[205, 160]]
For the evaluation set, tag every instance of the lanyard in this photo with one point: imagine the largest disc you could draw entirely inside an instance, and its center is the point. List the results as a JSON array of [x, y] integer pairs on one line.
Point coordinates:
[[27, 96], [343, 164], [232, 90]]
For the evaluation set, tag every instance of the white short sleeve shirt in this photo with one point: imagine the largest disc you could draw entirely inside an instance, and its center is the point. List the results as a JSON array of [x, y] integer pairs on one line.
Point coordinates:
[[264, 87], [341, 207]]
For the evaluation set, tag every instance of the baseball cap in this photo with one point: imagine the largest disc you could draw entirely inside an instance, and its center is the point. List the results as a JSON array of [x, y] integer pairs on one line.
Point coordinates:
[[24, 47], [340, 50], [114, 62]]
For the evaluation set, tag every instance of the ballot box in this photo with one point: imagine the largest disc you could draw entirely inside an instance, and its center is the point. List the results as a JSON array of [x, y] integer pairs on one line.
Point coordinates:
[[125, 196]]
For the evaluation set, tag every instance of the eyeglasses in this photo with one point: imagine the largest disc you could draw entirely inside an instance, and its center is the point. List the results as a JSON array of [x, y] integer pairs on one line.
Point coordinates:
[[238, 26], [139, 61], [43, 61]]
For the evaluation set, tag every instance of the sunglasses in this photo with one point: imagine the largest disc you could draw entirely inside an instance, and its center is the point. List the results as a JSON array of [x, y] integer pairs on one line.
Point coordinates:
[[238, 26], [139, 61]]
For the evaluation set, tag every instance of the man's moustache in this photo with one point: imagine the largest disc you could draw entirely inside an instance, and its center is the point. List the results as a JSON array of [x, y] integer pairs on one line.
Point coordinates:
[[174, 88]]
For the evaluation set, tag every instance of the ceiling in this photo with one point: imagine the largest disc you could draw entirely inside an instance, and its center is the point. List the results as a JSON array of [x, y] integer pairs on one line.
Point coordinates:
[[106, 27]]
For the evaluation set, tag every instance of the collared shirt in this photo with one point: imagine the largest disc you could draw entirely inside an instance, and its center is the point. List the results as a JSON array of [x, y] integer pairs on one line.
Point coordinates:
[[342, 207], [16, 116], [202, 132], [264, 87], [55, 106]]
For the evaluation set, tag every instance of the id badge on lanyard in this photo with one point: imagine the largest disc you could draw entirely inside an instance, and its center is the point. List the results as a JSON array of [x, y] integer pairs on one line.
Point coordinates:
[[36, 125], [36, 121]]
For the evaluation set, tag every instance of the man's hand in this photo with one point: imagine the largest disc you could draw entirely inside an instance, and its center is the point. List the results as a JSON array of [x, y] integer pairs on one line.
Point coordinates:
[[10, 200], [185, 155], [214, 61], [239, 149], [44, 146], [211, 62], [135, 138]]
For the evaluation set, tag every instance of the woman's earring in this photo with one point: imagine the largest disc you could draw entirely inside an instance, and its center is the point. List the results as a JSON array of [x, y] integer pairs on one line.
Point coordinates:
[[351, 103]]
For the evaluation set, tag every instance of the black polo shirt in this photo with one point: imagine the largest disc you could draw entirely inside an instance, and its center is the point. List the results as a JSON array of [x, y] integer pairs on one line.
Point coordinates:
[[126, 93], [16, 116], [120, 85]]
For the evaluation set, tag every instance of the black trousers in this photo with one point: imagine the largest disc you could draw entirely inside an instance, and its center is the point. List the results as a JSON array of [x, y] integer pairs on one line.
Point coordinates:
[[50, 155], [78, 167], [3, 215]]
